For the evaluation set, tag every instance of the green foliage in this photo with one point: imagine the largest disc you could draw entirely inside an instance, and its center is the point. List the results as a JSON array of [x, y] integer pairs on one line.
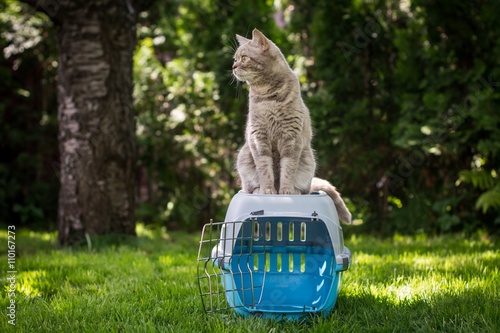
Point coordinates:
[[28, 118], [488, 183], [489, 199], [148, 284], [404, 98], [190, 119], [478, 178]]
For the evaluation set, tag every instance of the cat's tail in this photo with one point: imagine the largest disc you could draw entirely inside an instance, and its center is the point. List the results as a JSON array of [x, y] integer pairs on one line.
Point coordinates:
[[319, 184]]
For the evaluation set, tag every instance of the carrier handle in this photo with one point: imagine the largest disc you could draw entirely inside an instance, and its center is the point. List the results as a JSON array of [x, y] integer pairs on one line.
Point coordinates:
[[343, 260]]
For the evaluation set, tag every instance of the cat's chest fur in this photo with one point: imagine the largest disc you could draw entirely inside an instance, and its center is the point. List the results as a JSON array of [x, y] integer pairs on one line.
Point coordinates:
[[273, 120]]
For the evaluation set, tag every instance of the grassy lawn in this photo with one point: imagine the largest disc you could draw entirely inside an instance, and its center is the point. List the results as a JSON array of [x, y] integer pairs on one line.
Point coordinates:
[[403, 284]]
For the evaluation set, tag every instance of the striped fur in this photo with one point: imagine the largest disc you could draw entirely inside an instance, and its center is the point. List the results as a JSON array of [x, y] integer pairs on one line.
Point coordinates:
[[277, 156]]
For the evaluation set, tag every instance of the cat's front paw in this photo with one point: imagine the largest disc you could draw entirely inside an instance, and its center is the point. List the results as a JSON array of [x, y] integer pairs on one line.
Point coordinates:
[[289, 190], [268, 190]]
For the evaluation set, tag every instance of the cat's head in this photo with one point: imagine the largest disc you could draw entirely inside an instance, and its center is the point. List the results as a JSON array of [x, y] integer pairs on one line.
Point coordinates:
[[257, 57]]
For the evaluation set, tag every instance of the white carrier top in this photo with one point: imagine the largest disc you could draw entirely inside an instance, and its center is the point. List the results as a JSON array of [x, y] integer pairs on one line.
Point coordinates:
[[315, 206]]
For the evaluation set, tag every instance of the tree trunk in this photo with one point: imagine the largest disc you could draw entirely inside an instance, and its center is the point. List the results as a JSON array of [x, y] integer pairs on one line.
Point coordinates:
[[96, 40], [96, 121]]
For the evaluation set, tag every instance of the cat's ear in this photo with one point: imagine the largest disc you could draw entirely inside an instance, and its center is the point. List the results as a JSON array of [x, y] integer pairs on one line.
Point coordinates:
[[261, 40], [242, 40]]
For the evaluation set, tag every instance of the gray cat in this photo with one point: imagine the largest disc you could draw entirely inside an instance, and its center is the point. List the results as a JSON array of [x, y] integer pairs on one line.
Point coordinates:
[[277, 156]]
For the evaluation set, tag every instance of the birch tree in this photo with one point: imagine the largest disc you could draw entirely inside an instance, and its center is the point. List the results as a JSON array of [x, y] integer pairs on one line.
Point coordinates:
[[96, 40]]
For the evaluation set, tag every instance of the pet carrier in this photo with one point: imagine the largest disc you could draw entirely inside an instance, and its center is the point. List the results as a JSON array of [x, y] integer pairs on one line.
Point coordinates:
[[279, 256]]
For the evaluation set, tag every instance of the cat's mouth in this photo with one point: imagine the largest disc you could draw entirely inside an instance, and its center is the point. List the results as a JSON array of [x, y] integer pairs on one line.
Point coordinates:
[[241, 74]]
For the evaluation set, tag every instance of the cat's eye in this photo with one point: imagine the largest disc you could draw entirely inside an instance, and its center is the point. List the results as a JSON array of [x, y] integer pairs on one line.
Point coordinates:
[[244, 58]]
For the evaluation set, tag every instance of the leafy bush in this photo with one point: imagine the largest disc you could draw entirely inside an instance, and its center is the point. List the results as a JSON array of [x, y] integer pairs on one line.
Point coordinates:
[[28, 119], [404, 98]]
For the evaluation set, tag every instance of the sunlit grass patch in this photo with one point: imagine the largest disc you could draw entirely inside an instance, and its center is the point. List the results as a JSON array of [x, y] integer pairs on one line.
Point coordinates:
[[439, 279], [403, 271]]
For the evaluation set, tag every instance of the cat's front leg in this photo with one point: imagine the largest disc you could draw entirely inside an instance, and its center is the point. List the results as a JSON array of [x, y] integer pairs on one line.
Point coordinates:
[[264, 165], [287, 176], [254, 171], [290, 150], [245, 166], [261, 152]]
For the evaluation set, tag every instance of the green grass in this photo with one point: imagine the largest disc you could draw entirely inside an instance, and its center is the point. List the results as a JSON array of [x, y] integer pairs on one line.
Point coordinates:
[[404, 284]]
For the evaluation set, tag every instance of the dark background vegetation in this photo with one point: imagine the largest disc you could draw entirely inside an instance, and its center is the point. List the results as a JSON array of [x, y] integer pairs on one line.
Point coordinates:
[[404, 96]]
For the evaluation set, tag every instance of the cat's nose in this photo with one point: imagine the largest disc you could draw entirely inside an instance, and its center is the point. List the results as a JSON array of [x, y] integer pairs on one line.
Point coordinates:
[[235, 65]]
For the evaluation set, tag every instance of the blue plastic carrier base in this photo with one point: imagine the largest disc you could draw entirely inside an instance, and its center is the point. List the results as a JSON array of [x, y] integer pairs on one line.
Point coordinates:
[[274, 256]]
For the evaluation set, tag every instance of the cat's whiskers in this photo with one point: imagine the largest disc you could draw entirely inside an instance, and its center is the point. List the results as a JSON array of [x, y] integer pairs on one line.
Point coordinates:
[[232, 80], [234, 44], [238, 89]]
